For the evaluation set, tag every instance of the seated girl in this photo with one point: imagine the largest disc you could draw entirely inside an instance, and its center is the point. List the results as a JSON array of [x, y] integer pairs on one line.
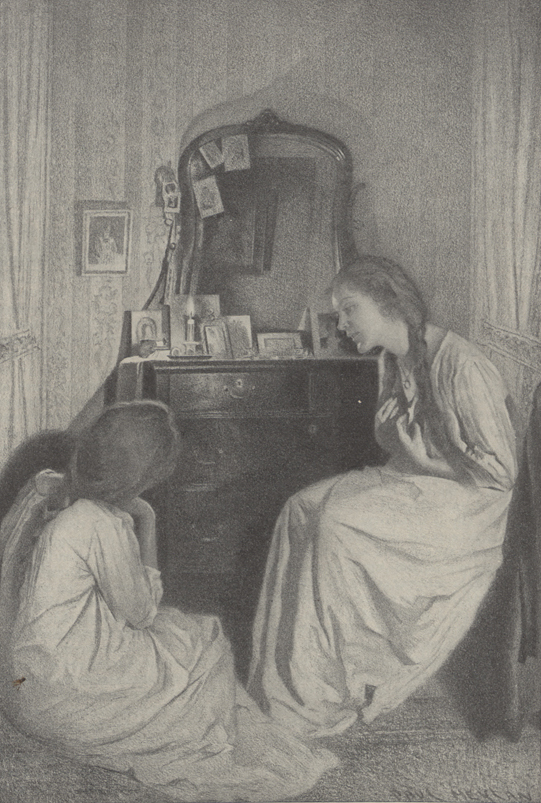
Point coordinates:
[[110, 676], [374, 576]]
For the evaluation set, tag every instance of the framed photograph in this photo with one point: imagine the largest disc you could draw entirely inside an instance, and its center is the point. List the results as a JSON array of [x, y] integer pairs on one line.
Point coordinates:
[[149, 326], [239, 328], [217, 340], [327, 340], [104, 235], [279, 344], [188, 315]]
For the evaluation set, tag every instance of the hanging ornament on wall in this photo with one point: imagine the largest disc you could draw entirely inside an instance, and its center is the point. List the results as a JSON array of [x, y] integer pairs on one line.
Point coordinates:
[[167, 192], [168, 197]]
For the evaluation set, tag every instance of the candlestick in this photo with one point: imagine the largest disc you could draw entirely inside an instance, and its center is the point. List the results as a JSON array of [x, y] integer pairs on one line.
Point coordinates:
[[190, 328]]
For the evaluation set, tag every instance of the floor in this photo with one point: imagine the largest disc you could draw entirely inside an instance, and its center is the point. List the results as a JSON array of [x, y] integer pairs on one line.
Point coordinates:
[[424, 751], [421, 752]]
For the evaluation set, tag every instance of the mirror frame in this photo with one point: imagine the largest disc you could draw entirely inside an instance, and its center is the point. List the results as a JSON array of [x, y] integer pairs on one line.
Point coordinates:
[[180, 269], [266, 124]]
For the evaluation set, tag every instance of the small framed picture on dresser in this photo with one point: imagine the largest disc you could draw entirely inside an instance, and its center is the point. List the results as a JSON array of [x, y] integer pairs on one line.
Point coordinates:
[[149, 330], [279, 344], [327, 340], [239, 328], [217, 340]]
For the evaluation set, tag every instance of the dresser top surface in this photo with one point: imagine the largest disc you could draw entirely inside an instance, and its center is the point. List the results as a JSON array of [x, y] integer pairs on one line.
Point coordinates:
[[174, 365]]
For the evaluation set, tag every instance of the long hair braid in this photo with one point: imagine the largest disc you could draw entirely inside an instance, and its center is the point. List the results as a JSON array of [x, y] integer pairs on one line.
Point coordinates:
[[429, 415], [398, 297]]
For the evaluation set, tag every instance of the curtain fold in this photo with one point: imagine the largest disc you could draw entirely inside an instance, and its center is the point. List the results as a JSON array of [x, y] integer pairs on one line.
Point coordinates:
[[24, 68], [507, 190]]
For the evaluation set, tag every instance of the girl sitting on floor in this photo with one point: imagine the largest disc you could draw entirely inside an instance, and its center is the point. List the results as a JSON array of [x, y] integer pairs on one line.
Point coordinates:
[[111, 677]]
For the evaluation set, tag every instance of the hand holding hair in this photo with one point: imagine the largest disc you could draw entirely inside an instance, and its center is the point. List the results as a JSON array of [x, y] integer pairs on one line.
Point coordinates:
[[387, 410], [144, 524]]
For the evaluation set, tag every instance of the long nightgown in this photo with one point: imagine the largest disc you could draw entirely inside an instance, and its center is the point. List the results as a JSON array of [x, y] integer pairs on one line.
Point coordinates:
[[118, 681], [374, 576]]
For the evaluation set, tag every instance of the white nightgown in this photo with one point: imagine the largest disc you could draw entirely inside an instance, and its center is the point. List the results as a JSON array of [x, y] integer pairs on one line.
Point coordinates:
[[116, 680], [374, 576]]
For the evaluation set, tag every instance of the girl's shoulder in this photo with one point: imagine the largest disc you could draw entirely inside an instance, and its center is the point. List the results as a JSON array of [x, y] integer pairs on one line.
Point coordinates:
[[81, 509], [457, 350], [78, 522], [459, 361]]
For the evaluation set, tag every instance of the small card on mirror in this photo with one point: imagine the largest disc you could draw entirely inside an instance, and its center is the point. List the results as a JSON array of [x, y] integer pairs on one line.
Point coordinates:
[[212, 154], [236, 152], [207, 195]]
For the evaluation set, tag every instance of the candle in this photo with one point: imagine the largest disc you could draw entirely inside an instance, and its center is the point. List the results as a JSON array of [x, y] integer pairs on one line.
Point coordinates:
[[190, 328], [190, 321]]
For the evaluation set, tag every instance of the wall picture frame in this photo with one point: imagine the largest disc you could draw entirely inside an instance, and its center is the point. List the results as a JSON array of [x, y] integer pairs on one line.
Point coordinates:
[[104, 237], [279, 344]]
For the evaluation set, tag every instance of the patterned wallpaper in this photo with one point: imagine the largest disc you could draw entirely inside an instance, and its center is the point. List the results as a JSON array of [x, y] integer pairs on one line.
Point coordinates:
[[135, 80]]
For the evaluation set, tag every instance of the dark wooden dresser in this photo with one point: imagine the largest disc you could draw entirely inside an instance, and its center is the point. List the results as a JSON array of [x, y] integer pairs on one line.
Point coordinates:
[[254, 432]]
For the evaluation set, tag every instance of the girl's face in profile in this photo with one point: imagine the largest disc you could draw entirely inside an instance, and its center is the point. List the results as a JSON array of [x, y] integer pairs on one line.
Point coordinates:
[[360, 317]]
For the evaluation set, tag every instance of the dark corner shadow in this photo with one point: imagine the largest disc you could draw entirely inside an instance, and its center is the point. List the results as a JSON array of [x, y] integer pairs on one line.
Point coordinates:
[[482, 674], [48, 449]]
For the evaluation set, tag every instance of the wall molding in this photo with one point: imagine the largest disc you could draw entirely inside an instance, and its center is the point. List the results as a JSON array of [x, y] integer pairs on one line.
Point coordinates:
[[17, 345], [522, 349]]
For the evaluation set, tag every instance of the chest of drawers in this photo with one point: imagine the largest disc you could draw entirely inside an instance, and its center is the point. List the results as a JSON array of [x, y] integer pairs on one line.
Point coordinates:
[[253, 433]]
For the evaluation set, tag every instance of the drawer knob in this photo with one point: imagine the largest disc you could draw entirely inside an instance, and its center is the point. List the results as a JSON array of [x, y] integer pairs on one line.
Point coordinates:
[[238, 389]]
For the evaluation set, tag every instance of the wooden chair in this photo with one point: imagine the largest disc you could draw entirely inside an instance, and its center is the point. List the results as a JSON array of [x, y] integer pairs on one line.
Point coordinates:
[[484, 671]]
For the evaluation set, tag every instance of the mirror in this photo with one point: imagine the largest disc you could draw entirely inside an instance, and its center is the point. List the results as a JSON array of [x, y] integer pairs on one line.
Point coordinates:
[[263, 219]]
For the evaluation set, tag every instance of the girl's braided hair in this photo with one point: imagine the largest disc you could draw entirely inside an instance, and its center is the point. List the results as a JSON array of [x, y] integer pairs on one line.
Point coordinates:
[[397, 296]]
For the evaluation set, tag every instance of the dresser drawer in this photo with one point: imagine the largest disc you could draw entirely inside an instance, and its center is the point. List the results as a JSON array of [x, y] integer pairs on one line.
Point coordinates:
[[253, 392], [234, 449], [204, 529], [252, 435]]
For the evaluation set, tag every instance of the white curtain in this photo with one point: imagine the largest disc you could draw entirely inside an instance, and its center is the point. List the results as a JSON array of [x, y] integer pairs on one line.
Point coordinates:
[[507, 190], [24, 63]]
